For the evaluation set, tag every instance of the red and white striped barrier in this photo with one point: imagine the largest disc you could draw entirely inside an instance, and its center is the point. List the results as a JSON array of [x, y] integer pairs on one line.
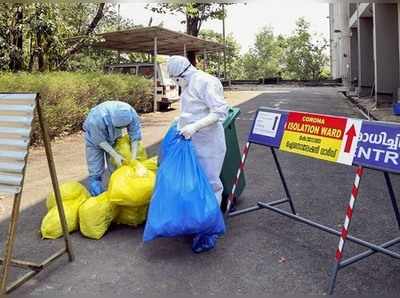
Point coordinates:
[[239, 172], [349, 213]]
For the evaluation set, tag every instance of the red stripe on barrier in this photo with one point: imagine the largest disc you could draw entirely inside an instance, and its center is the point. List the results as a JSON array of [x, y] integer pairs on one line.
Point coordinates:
[[338, 255], [360, 171], [246, 149], [349, 212], [345, 233], [238, 173]]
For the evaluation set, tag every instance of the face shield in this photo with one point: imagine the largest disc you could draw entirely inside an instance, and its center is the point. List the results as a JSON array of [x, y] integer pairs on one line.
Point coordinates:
[[180, 79], [177, 66]]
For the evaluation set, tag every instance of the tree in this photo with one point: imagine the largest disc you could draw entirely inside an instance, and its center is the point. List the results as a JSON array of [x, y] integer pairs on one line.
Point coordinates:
[[305, 59], [195, 15], [264, 59], [55, 36], [213, 59], [87, 33]]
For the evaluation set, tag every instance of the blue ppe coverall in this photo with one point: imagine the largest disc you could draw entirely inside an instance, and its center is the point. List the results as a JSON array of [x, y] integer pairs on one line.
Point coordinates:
[[104, 123]]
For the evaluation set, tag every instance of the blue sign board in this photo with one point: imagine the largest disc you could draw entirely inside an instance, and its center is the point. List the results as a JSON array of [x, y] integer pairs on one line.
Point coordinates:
[[377, 143], [379, 146], [268, 127]]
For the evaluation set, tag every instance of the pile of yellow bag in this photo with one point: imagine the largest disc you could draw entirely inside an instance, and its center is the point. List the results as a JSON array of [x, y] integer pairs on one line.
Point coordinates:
[[125, 202], [73, 195]]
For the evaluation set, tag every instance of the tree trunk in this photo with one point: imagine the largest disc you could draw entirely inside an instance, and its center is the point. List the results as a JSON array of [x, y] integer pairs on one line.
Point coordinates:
[[39, 52], [192, 25], [81, 43], [31, 54], [192, 28], [16, 38], [191, 55]]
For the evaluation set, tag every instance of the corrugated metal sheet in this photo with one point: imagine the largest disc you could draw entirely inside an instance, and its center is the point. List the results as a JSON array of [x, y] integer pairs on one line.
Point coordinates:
[[16, 114]]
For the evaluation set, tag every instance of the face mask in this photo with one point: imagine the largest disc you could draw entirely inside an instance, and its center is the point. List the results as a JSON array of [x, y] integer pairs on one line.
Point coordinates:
[[181, 82]]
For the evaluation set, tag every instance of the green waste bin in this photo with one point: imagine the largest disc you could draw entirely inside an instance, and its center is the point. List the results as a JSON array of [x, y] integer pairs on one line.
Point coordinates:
[[232, 159]]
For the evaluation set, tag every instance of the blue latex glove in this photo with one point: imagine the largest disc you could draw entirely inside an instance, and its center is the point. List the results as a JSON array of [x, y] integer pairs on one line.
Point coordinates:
[[95, 186], [202, 243]]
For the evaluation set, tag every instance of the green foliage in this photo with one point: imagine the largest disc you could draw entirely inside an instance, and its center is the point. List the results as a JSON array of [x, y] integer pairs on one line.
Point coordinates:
[[68, 97], [232, 52], [195, 13], [305, 59], [265, 58], [47, 29], [295, 57]]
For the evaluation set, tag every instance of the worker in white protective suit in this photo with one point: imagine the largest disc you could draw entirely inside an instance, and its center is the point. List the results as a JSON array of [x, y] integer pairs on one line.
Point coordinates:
[[203, 110], [102, 127]]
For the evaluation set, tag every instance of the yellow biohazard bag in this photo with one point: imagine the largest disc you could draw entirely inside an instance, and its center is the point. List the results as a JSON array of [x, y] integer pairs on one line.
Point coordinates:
[[96, 215], [69, 191], [151, 163], [51, 224], [132, 216], [131, 185], [123, 147]]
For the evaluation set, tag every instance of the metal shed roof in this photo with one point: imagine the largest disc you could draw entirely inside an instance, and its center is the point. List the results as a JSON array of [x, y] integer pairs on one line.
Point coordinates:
[[168, 42]]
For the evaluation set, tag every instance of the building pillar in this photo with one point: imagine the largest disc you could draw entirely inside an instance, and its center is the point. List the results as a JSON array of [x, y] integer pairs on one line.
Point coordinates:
[[354, 57], [365, 56], [345, 35], [386, 53]]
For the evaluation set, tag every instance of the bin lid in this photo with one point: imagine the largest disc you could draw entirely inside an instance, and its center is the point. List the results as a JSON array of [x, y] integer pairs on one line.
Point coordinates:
[[233, 113]]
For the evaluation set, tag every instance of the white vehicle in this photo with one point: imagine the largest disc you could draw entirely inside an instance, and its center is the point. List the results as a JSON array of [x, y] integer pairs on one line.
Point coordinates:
[[167, 90]]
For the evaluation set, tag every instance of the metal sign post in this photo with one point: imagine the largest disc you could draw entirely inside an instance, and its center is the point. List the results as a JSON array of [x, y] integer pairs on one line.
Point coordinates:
[[16, 115], [364, 144]]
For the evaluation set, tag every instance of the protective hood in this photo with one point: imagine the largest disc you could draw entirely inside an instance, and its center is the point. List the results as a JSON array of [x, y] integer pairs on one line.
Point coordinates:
[[178, 66], [121, 117]]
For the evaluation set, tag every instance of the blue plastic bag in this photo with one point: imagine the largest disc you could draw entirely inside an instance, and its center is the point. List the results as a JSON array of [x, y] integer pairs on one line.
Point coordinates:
[[183, 201], [166, 143]]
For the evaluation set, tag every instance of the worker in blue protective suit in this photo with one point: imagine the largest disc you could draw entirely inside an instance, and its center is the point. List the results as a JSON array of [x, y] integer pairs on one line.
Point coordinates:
[[102, 127], [203, 110]]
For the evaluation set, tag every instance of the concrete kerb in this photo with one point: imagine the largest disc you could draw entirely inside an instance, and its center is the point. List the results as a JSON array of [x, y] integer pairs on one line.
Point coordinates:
[[381, 114]]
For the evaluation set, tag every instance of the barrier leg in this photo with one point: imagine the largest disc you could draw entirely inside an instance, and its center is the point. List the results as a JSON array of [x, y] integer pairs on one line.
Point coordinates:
[[10, 243], [346, 227], [392, 197], [278, 166], [54, 180], [239, 172]]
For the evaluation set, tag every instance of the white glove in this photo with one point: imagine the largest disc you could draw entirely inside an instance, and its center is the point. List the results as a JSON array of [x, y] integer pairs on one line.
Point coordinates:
[[134, 149], [110, 150], [189, 130]]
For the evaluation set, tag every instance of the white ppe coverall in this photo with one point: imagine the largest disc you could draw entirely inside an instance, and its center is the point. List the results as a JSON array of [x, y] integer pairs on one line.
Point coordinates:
[[202, 95]]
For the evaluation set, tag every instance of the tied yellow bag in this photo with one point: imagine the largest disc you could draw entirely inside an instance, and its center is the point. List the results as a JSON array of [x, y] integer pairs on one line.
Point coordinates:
[[69, 191], [132, 216], [151, 163], [123, 147], [96, 215], [51, 224], [131, 185]]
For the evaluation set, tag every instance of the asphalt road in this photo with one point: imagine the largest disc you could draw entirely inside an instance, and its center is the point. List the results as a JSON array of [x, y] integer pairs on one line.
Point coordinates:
[[262, 252]]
